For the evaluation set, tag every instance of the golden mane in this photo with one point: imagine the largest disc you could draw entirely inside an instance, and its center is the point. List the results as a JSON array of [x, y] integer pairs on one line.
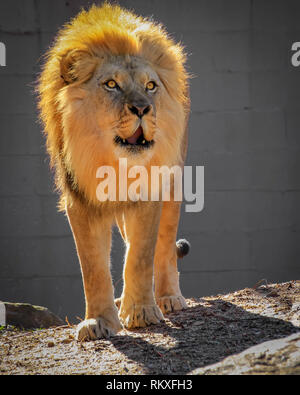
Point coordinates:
[[100, 31]]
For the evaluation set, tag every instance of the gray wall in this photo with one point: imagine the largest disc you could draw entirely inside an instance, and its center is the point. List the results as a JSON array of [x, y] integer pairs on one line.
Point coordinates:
[[244, 129]]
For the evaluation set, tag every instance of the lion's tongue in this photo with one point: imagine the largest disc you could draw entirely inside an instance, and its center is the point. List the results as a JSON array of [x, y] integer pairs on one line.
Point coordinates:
[[134, 138]]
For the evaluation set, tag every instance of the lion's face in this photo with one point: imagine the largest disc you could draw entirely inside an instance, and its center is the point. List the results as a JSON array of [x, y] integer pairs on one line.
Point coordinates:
[[126, 93], [123, 110]]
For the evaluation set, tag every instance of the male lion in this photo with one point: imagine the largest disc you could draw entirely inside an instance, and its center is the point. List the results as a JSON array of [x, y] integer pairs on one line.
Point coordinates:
[[114, 86]]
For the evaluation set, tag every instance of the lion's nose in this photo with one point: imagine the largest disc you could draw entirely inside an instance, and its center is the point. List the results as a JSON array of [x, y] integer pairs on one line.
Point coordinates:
[[140, 111]]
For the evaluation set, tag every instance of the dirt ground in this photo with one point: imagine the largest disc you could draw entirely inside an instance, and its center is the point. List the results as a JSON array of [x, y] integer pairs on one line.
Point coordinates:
[[211, 329]]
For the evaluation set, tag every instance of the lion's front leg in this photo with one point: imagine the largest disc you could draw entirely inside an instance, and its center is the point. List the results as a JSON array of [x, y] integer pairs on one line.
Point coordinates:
[[167, 289], [138, 307], [93, 239]]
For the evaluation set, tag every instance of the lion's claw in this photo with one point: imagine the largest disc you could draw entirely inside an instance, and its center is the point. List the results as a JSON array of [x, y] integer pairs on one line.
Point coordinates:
[[169, 304], [97, 328], [139, 316]]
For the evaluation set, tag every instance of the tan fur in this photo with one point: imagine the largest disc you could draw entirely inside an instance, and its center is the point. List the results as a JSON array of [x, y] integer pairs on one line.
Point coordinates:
[[81, 120]]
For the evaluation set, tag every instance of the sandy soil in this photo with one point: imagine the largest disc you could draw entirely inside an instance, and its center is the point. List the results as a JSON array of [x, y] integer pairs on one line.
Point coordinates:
[[211, 329]]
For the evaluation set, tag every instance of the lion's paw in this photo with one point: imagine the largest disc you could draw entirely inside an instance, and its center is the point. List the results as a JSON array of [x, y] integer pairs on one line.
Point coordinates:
[[139, 316], [169, 304], [97, 328]]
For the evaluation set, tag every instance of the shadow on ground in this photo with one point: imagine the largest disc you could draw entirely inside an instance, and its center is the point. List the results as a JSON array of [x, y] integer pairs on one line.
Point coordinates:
[[201, 335]]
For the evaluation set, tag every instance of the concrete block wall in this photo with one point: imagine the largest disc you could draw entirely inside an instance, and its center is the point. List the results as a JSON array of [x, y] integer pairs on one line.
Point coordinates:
[[244, 129]]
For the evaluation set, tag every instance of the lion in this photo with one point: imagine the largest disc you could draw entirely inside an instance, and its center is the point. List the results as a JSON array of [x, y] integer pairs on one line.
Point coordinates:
[[114, 85]]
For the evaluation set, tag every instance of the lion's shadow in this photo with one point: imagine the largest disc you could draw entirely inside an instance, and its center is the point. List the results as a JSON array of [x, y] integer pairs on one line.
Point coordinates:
[[198, 337]]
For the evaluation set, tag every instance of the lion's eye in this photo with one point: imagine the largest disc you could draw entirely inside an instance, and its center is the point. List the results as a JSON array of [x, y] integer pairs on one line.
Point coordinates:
[[151, 86], [111, 84]]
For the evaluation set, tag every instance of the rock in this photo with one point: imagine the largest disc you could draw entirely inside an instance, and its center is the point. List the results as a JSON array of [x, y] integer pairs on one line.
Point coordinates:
[[275, 357], [27, 316]]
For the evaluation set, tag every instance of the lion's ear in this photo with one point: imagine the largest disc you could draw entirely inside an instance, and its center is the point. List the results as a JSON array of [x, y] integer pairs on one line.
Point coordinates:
[[77, 66]]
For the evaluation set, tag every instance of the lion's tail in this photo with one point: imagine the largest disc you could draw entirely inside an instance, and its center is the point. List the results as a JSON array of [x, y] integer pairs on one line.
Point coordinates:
[[182, 248]]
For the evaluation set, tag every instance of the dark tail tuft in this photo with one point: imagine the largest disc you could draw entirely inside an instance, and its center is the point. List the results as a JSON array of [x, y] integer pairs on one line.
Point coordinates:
[[183, 247]]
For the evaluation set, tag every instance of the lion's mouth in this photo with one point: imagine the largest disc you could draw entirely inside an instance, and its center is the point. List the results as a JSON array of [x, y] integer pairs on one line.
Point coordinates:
[[137, 140]]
